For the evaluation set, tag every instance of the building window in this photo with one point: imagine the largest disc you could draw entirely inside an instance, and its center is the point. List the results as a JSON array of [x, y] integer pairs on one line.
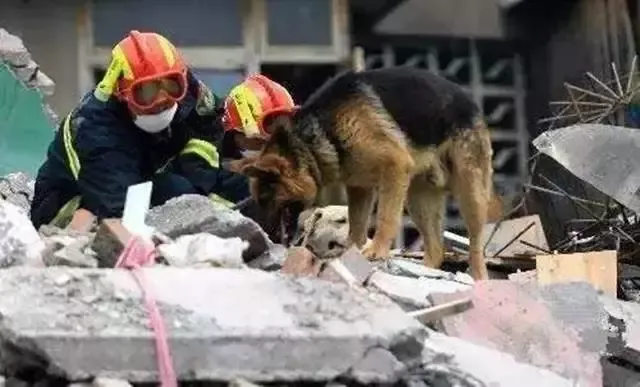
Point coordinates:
[[299, 22], [219, 81], [199, 23]]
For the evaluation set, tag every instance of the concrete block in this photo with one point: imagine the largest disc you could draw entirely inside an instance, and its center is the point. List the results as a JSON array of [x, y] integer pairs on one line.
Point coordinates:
[[20, 243], [17, 188], [222, 324], [301, 262], [111, 238], [413, 293], [359, 268], [12, 50], [416, 269], [624, 342], [193, 214], [67, 247], [560, 327]]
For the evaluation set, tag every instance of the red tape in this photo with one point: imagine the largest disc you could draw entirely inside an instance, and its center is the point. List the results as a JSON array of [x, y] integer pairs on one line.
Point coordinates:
[[137, 254]]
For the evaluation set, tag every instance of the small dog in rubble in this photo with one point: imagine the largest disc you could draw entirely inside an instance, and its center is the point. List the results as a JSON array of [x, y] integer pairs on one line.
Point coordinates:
[[402, 135]]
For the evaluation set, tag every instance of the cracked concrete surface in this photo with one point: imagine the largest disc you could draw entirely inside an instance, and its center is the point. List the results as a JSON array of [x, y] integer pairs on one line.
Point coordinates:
[[223, 324], [193, 214]]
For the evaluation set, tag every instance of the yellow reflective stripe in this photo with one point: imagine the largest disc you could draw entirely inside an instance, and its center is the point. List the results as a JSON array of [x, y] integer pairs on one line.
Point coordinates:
[[217, 199], [204, 149], [248, 107], [119, 66], [167, 50], [65, 214], [74, 161]]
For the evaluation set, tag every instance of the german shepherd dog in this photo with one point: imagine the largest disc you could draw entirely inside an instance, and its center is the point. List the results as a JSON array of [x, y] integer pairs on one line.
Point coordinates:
[[401, 134]]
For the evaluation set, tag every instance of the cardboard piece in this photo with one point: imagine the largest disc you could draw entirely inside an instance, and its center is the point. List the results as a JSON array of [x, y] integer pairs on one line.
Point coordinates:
[[509, 229], [599, 268]]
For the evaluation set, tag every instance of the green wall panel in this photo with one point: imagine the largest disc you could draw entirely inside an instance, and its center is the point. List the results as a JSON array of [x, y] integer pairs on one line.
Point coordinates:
[[25, 128]]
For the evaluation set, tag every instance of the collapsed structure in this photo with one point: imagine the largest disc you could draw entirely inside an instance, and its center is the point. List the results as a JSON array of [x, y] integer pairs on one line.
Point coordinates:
[[240, 309]]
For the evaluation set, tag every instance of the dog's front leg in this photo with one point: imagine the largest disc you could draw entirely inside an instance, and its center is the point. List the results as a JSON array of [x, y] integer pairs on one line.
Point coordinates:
[[360, 202], [393, 186]]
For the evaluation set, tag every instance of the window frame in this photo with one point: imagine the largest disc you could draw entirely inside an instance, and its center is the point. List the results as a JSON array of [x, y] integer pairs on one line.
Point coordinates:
[[336, 52]]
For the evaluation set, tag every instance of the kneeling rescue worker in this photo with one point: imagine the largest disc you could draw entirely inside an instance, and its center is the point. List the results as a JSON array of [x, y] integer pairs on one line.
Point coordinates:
[[148, 119], [248, 109]]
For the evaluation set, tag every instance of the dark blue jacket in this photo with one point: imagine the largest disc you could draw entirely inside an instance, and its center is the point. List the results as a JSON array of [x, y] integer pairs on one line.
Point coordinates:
[[98, 152]]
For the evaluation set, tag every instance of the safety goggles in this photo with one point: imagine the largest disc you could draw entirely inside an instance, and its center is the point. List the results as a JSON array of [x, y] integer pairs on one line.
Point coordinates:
[[146, 94]]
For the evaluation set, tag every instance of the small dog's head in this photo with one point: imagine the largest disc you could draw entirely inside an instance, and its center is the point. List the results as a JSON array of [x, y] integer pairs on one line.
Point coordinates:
[[279, 177]]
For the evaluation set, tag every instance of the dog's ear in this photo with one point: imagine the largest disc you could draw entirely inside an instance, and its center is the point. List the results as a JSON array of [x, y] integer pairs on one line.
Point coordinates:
[[239, 165], [268, 168], [280, 128]]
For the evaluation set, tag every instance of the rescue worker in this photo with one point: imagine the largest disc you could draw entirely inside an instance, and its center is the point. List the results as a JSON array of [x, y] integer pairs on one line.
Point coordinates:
[[148, 119], [247, 108]]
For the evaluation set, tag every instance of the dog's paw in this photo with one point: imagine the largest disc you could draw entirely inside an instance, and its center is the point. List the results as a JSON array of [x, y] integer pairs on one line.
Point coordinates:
[[374, 251]]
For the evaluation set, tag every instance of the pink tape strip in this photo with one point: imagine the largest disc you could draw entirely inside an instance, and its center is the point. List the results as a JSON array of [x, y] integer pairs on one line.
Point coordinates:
[[135, 255]]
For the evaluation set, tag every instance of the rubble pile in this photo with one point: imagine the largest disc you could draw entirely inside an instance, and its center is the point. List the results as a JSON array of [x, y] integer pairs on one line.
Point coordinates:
[[240, 309]]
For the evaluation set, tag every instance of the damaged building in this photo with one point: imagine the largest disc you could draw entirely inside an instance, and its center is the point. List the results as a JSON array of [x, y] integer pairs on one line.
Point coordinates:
[[217, 302]]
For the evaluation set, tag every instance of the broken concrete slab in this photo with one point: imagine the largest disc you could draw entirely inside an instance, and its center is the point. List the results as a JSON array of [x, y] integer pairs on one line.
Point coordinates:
[[412, 293], [17, 188], [222, 324], [193, 214], [14, 54], [416, 269], [560, 327], [453, 362], [629, 277], [66, 247], [604, 156], [20, 243], [625, 329]]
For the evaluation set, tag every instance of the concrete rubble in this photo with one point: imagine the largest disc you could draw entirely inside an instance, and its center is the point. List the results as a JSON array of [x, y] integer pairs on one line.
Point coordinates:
[[231, 299], [14, 54], [222, 323]]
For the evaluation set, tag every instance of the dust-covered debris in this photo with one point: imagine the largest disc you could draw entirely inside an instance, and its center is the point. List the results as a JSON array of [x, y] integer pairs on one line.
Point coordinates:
[[20, 243], [222, 324], [17, 188], [193, 214], [14, 54], [204, 250]]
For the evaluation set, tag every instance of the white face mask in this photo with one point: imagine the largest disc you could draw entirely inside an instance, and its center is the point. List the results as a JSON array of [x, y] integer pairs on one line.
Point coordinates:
[[156, 123]]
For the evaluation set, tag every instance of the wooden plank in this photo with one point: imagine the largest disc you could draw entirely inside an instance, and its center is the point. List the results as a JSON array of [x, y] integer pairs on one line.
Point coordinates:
[[599, 268]]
